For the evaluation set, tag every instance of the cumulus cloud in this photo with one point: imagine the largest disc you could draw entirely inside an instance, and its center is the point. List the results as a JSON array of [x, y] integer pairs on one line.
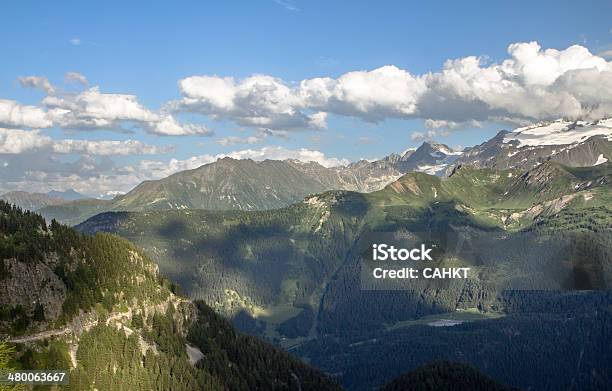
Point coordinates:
[[18, 141], [13, 141], [259, 101], [450, 125], [16, 115], [38, 82], [167, 125], [92, 105], [90, 109], [373, 96], [532, 84]]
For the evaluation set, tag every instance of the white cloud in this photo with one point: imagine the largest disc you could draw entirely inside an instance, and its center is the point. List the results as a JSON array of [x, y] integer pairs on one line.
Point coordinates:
[[532, 84], [93, 105], [90, 109], [522, 87], [39, 82], [259, 101], [76, 41], [14, 141], [94, 109], [17, 141], [375, 95], [168, 126], [16, 115], [75, 77]]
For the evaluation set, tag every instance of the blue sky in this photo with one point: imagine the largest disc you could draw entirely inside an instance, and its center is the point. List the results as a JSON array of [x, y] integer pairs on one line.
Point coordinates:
[[145, 48]]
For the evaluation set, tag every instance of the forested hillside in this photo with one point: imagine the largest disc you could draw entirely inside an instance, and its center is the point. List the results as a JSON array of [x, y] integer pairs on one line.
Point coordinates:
[[97, 306]]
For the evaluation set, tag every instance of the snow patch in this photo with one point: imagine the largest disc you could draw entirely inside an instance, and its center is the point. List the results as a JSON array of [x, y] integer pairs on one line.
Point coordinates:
[[559, 132], [600, 160], [431, 169]]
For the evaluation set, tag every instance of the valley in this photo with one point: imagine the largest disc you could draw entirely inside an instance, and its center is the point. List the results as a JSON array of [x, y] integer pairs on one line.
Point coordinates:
[[292, 275]]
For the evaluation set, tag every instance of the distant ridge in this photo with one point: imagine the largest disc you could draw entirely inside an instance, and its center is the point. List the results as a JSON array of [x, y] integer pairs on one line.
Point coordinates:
[[31, 201], [262, 185], [69, 194]]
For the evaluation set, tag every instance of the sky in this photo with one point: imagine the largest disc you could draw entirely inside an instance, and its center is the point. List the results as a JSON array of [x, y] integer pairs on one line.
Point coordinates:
[[98, 97]]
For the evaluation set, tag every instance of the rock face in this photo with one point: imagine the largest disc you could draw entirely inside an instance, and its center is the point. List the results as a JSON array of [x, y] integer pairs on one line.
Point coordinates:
[[32, 285]]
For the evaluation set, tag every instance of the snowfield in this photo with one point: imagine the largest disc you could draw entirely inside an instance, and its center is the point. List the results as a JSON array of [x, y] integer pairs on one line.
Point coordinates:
[[559, 132]]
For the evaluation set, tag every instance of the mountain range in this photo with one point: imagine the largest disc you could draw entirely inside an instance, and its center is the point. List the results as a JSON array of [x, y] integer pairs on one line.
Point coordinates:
[[36, 201], [230, 184]]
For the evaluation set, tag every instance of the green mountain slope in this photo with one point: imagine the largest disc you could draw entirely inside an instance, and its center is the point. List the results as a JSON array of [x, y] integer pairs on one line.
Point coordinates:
[[225, 184], [96, 305], [230, 184]]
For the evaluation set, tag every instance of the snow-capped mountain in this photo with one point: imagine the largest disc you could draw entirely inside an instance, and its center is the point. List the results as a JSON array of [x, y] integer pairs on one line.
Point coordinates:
[[572, 143], [431, 158]]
